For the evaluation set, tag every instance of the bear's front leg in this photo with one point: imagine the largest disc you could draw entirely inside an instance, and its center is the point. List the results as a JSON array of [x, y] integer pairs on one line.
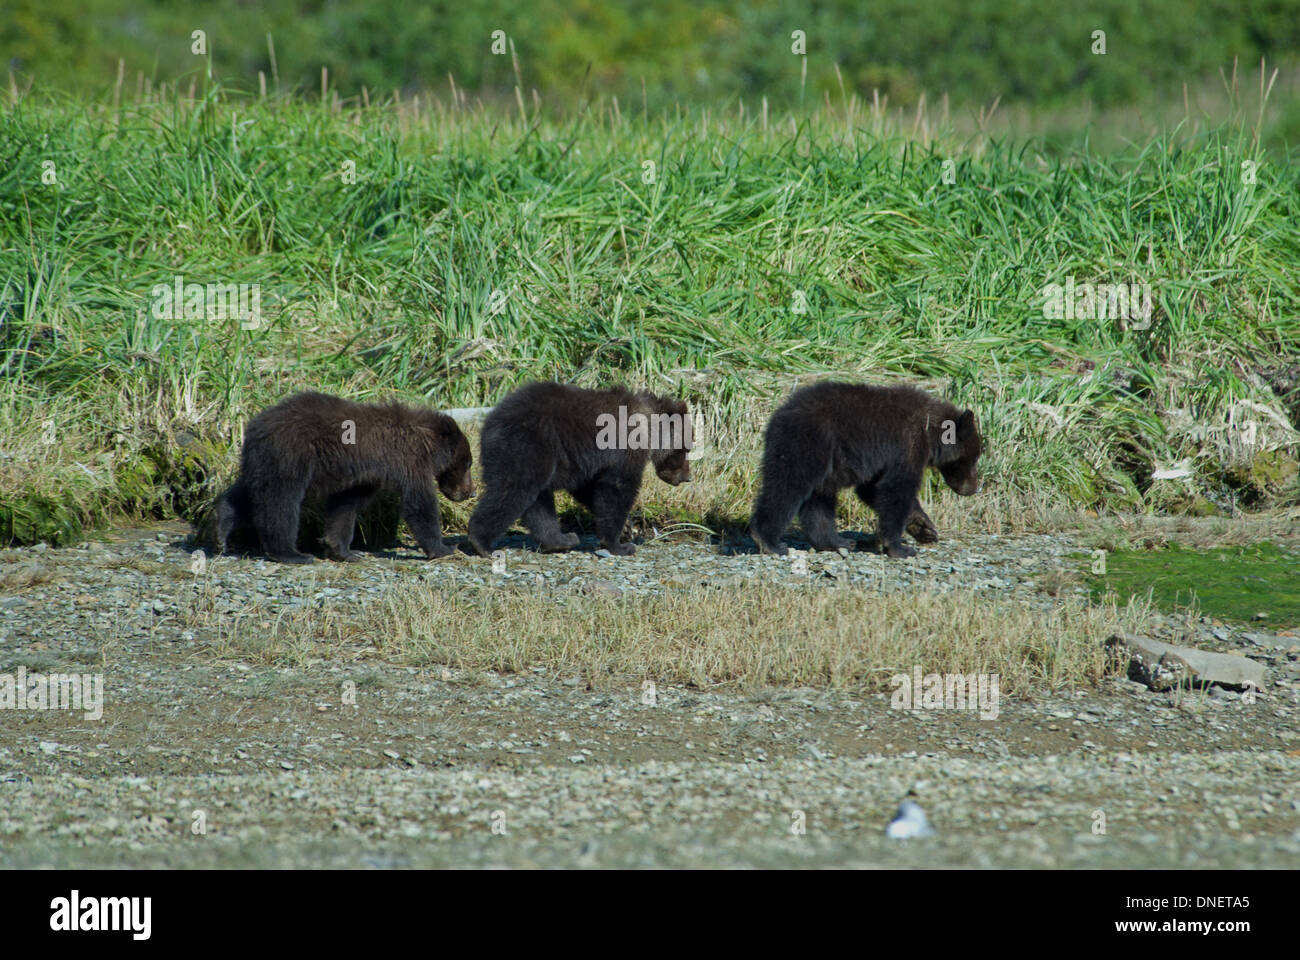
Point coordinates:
[[817, 515], [893, 498], [920, 526], [420, 510], [233, 510], [276, 509], [611, 502]]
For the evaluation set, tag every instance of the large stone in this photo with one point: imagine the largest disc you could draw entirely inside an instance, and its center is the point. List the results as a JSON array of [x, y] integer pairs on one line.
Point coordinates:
[[1162, 665]]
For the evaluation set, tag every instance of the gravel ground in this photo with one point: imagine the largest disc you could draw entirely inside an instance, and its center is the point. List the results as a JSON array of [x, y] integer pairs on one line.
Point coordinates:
[[203, 760]]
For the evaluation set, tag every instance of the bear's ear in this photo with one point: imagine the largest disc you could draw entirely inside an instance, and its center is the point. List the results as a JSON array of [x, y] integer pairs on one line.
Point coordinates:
[[966, 423]]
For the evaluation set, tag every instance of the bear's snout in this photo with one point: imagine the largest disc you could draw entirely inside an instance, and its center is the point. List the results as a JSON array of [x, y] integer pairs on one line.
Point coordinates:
[[458, 492], [675, 477], [963, 482]]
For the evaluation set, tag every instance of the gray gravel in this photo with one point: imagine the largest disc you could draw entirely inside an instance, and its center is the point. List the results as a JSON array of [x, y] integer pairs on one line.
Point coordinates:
[[435, 767]]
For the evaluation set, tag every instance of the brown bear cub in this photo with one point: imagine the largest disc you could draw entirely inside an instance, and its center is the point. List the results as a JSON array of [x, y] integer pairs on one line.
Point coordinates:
[[878, 440], [593, 443], [344, 453]]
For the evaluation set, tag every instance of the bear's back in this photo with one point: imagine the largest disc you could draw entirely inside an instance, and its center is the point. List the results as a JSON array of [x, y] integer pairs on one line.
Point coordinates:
[[854, 406], [558, 409]]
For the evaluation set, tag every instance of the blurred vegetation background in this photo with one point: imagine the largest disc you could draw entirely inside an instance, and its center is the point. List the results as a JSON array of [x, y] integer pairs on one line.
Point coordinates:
[[681, 50]]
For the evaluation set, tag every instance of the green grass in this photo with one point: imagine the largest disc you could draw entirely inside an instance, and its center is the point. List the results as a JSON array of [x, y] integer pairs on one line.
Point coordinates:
[[479, 248], [1229, 583]]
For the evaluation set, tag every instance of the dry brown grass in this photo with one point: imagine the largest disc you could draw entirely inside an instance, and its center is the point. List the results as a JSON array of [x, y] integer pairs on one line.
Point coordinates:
[[749, 638]]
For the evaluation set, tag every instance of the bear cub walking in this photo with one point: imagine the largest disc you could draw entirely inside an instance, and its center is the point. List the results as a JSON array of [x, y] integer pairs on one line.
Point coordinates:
[[593, 443], [343, 453], [878, 440]]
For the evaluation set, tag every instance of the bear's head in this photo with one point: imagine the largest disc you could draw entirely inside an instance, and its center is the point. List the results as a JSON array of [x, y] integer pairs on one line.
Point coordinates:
[[670, 458], [959, 453], [452, 460]]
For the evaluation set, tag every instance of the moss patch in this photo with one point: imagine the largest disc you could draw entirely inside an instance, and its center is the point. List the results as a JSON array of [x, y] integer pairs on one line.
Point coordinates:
[[1269, 476], [1230, 583]]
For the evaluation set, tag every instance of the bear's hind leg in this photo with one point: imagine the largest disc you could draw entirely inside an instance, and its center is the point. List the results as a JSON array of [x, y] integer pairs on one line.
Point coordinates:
[[786, 486], [544, 525], [817, 516], [496, 510], [341, 520]]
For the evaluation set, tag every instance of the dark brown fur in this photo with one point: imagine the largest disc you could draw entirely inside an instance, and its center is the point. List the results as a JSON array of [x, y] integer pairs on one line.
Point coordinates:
[[542, 438], [878, 440], [296, 449]]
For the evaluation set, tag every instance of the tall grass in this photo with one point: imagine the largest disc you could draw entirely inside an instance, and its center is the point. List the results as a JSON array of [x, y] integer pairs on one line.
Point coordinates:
[[448, 251]]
